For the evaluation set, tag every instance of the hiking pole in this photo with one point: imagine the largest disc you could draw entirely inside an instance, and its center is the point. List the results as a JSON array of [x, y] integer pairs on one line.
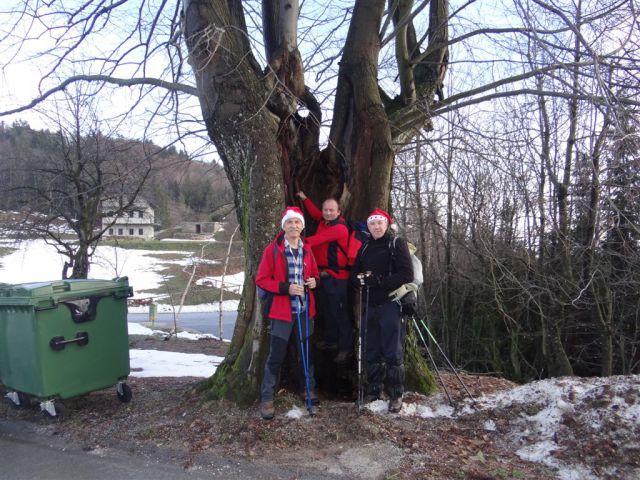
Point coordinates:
[[305, 359], [447, 360], [360, 398], [362, 336], [306, 340], [424, 342], [366, 319]]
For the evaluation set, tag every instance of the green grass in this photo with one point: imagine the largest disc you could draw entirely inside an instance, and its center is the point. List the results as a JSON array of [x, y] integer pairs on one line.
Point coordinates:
[[174, 284], [212, 250], [157, 245], [4, 251]]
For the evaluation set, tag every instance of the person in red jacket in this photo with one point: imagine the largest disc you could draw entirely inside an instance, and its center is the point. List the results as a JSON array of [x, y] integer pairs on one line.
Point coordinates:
[[329, 245], [287, 273]]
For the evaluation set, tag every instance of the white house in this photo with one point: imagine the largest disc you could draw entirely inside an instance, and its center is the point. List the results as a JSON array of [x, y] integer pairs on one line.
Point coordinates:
[[136, 222]]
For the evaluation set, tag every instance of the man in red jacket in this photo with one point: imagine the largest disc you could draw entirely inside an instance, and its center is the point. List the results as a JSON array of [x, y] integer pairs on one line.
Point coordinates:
[[329, 245], [288, 273]]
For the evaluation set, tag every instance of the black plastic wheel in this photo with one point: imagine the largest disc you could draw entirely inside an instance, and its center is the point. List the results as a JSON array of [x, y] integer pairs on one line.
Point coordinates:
[[60, 410], [25, 399], [124, 393]]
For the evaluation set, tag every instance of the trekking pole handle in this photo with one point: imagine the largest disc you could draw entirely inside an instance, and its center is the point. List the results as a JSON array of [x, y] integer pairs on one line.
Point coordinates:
[[362, 276]]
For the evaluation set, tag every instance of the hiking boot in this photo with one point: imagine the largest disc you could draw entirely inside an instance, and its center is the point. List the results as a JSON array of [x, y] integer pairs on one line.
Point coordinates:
[[395, 405], [314, 398], [341, 357], [267, 411]]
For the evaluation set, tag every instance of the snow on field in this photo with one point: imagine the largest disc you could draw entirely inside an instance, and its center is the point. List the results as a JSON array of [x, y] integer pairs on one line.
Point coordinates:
[[153, 363], [36, 261], [232, 283], [182, 240]]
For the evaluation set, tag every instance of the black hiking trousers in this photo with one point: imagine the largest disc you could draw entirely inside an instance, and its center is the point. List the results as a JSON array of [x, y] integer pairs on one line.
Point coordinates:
[[385, 350]]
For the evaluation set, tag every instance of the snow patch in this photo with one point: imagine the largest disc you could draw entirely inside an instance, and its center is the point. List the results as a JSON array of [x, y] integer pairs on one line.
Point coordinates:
[[153, 363], [489, 426], [232, 283], [295, 413]]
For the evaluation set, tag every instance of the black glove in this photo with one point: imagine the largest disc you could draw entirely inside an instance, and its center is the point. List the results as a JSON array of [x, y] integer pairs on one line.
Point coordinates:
[[372, 280]]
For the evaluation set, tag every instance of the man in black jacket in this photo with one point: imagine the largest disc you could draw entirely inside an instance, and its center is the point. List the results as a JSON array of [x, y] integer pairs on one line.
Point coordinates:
[[384, 265]]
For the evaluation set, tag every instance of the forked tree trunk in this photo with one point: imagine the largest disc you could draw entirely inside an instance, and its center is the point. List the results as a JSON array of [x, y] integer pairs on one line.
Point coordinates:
[[269, 151]]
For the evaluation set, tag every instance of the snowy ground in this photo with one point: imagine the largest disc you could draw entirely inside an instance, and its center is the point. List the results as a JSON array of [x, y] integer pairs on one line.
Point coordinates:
[[36, 261], [542, 420], [154, 363]]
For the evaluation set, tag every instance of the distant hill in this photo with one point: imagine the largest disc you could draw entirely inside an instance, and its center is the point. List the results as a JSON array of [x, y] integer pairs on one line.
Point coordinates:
[[179, 188]]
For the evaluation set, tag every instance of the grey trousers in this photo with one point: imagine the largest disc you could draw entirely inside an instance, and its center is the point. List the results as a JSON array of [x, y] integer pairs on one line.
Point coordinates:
[[280, 334]]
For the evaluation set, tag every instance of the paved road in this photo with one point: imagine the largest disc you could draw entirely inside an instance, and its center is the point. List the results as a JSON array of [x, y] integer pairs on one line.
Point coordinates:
[[204, 322], [26, 454]]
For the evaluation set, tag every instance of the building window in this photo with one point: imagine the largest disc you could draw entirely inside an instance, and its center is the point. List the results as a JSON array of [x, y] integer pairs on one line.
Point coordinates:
[[131, 231], [140, 214], [111, 231], [140, 231], [120, 231], [131, 214]]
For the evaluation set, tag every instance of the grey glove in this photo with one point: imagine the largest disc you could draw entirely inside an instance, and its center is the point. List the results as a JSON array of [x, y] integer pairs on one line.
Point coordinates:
[[400, 292]]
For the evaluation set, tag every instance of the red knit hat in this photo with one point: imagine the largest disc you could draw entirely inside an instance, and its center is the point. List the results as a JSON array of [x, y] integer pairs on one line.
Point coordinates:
[[378, 214], [292, 212]]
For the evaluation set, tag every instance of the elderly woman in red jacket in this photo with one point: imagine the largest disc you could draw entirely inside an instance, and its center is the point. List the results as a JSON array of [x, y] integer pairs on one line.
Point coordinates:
[[288, 273]]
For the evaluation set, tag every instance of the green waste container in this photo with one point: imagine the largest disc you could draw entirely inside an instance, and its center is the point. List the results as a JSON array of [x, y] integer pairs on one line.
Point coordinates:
[[64, 338]]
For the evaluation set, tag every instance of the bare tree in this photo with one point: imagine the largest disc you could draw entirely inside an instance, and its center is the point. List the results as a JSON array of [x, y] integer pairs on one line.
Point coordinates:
[[265, 117], [80, 177]]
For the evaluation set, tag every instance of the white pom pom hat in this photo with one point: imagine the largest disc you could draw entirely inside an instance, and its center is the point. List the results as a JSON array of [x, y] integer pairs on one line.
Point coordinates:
[[292, 212]]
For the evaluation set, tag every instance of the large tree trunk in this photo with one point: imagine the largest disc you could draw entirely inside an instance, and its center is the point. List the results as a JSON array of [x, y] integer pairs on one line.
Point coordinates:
[[269, 151], [245, 135]]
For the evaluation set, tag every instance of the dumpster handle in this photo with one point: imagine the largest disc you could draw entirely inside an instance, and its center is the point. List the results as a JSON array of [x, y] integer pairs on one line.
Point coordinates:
[[58, 343], [61, 285]]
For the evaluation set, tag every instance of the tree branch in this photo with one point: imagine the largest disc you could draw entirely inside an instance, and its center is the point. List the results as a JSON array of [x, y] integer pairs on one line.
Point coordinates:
[[446, 107], [121, 82]]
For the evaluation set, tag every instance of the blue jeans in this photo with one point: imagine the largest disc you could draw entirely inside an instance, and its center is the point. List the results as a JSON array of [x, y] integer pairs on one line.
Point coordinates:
[[278, 352]]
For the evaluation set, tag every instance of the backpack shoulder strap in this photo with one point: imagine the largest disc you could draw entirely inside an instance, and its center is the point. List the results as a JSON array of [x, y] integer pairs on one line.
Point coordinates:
[[392, 252]]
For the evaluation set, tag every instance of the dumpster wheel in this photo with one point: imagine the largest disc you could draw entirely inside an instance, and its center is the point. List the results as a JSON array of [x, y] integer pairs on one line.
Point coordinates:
[[124, 392], [53, 408], [19, 399]]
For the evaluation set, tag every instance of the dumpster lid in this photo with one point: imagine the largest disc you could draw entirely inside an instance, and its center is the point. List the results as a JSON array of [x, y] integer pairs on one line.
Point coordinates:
[[62, 289]]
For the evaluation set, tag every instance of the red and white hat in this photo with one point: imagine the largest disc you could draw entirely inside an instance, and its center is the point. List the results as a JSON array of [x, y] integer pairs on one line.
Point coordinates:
[[292, 212], [378, 214]]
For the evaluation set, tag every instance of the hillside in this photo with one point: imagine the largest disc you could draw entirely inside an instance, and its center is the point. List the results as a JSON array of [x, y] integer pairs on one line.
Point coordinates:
[[179, 187]]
